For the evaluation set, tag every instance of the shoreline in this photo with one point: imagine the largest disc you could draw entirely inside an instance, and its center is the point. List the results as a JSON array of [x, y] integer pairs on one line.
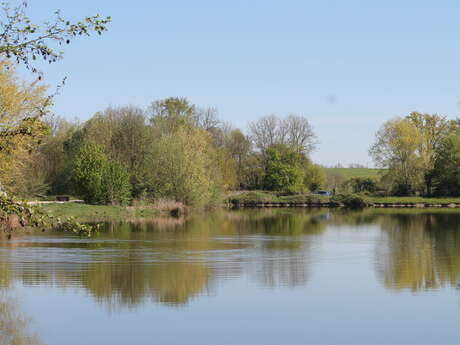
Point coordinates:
[[335, 205]]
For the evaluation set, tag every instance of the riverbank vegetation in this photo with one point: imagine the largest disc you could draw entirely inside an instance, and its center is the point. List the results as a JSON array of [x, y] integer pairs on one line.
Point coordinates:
[[176, 150], [171, 150]]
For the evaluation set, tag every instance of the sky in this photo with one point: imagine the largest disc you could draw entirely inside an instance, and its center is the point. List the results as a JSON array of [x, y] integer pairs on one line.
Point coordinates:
[[347, 66]]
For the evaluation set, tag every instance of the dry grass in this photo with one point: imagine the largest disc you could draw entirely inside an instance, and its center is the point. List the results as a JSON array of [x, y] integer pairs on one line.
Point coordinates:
[[168, 205]]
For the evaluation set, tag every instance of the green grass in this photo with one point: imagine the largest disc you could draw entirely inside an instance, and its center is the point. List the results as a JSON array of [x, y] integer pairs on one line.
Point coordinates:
[[348, 173], [84, 212], [266, 196]]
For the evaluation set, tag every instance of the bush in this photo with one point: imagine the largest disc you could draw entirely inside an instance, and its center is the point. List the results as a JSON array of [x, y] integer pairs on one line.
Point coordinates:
[[88, 172], [353, 201], [115, 184], [283, 169], [100, 180], [361, 185]]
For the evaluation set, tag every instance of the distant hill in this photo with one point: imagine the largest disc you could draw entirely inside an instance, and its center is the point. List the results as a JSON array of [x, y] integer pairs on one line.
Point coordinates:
[[347, 173]]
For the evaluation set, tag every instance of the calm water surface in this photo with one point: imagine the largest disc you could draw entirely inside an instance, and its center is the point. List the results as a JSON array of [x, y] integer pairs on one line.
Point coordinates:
[[243, 277]]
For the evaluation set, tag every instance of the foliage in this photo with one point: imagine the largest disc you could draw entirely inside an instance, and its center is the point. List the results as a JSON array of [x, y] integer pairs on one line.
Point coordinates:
[[352, 201], [22, 105], [24, 41], [181, 167], [446, 174], [433, 129], [115, 184], [315, 177], [395, 148], [225, 167], [172, 113], [88, 172], [130, 144], [55, 155], [98, 179], [252, 172], [239, 147], [361, 185], [283, 169], [125, 136], [20, 129], [408, 147], [14, 214]]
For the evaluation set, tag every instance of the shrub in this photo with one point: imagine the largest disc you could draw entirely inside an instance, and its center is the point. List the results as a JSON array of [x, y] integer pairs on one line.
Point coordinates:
[[115, 185], [283, 169], [353, 201], [100, 180]]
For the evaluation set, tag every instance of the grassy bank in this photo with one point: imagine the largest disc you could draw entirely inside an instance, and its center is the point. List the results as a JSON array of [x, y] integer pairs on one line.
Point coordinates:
[[84, 212], [265, 196], [253, 197]]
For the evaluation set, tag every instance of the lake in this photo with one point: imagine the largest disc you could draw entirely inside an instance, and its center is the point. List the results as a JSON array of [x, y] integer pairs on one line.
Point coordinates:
[[268, 276]]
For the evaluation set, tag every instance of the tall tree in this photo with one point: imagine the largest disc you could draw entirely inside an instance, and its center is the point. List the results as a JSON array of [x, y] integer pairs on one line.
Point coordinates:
[[293, 130], [264, 132], [239, 147], [24, 41], [446, 174], [20, 127], [131, 142], [396, 149], [298, 133], [171, 113], [432, 129], [181, 167]]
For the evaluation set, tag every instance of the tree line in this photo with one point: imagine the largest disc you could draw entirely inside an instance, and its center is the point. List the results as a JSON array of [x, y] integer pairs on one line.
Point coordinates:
[[173, 149], [176, 150]]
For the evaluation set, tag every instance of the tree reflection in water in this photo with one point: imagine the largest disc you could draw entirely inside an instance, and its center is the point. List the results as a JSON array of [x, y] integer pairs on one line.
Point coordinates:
[[420, 251], [173, 261], [14, 325]]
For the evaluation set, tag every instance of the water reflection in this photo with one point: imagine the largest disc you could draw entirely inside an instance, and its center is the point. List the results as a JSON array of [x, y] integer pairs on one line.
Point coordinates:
[[173, 262], [419, 251], [14, 325]]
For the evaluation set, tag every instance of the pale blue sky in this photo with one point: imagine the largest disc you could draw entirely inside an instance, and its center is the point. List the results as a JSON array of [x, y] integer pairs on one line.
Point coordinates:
[[346, 65]]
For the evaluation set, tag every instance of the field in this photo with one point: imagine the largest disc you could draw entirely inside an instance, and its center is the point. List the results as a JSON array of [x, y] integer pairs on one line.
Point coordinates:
[[347, 173]]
